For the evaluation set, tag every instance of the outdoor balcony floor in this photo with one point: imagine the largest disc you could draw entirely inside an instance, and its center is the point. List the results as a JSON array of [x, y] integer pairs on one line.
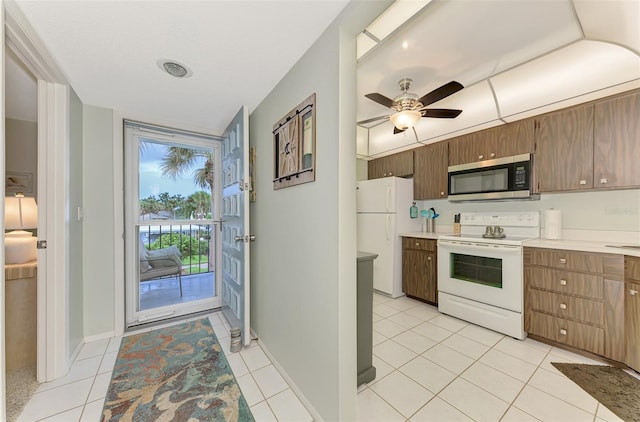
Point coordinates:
[[166, 291]]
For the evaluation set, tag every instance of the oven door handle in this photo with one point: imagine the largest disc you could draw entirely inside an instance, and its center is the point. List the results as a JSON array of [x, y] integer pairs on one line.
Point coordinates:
[[480, 247]]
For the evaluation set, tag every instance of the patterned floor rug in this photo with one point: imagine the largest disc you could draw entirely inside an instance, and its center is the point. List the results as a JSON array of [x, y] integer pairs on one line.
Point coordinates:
[[617, 390], [177, 373]]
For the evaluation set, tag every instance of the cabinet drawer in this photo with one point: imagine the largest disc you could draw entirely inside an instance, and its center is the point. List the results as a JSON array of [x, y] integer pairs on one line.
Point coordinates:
[[571, 307], [418, 243], [566, 282], [571, 333], [588, 262]]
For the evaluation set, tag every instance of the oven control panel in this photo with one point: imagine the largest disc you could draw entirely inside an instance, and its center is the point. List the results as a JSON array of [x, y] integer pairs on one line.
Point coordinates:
[[510, 219]]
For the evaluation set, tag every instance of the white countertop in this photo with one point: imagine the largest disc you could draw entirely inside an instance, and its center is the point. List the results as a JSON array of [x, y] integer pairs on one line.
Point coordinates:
[[575, 245], [583, 245], [425, 235]]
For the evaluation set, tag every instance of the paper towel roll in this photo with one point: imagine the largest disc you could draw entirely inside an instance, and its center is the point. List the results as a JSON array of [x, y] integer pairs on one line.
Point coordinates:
[[553, 224]]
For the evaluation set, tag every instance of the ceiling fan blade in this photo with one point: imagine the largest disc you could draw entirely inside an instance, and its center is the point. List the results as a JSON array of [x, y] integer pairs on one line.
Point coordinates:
[[380, 99], [440, 93], [373, 119], [441, 113], [396, 130]]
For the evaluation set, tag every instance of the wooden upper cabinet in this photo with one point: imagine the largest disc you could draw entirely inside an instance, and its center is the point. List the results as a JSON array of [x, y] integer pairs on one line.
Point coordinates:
[[515, 138], [616, 139], [430, 173], [400, 165], [472, 147], [498, 142], [564, 150]]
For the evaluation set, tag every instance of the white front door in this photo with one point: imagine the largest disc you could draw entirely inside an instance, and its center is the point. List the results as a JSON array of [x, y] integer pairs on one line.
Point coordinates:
[[172, 223], [235, 224]]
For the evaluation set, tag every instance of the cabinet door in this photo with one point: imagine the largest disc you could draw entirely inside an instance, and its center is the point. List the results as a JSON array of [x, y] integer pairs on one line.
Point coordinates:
[[632, 325], [431, 282], [564, 150], [616, 139], [430, 178], [414, 263], [401, 164], [515, 138], [473, 147]]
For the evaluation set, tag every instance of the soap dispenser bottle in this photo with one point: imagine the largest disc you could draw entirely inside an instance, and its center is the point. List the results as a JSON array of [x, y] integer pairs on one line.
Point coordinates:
[[413, 211]]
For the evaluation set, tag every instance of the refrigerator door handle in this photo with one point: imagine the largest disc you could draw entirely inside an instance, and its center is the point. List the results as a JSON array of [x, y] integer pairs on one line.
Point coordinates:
[[388, 199], [387, 226]]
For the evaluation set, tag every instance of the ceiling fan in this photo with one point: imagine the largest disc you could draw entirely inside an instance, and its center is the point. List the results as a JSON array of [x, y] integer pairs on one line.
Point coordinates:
[[409, 108]]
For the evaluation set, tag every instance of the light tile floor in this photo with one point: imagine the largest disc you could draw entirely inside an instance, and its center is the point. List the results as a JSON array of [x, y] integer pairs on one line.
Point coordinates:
[[433, 367], [79, 396], [430, 367]]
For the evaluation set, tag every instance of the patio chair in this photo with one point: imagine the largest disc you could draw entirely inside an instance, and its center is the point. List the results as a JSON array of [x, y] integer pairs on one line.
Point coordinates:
[[159, 263]]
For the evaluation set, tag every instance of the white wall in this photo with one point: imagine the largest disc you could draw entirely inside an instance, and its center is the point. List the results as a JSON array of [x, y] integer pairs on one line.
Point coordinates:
[[98, 238], [303, 263], [610, 213], [76, 308]]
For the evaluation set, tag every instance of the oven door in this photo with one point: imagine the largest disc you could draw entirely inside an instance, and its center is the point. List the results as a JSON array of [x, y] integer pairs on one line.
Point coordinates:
[[482, 272]]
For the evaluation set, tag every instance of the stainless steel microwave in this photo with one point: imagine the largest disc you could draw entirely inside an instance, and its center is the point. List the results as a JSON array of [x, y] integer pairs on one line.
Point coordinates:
[[499, 179]]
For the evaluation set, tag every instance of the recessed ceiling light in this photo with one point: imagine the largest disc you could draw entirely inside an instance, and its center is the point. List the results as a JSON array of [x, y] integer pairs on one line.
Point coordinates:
[[174, 68]]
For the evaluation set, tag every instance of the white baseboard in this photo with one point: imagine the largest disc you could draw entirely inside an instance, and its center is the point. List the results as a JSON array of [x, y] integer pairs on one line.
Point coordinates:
[[75, 354], [305, 402]]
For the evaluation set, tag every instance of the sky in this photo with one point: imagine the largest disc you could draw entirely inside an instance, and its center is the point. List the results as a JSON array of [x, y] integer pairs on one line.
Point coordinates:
[[151, 180]]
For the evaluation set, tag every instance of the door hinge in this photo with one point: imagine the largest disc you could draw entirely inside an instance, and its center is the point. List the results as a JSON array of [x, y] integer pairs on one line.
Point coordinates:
[[42, 244]]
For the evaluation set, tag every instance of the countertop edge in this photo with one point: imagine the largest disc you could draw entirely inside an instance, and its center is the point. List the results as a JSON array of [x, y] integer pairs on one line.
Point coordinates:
[[581, 246], [425, 235]]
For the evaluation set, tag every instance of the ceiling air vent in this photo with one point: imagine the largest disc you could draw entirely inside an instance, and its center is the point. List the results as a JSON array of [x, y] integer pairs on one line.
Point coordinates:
[[174, 68]]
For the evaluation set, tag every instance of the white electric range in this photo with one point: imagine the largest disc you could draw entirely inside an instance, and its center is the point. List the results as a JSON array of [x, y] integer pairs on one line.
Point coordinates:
[[480, 271]]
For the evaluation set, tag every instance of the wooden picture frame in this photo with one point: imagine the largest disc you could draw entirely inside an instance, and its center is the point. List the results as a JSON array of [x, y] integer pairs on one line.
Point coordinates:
[[16, 181], [294, 143]]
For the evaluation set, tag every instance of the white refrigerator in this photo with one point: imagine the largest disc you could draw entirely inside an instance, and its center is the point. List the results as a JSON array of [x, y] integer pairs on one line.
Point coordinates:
[[383, 214]]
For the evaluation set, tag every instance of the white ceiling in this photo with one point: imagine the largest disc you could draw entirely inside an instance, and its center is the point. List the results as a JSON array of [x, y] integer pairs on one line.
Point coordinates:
[[515, 58], [238, 51]]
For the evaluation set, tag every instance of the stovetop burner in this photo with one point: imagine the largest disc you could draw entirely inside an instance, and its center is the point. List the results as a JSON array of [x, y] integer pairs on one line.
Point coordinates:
[[509, 228]]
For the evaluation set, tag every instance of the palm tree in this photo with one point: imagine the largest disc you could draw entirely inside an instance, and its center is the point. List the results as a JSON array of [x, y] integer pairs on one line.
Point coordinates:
[[198, 204], [179, 160]]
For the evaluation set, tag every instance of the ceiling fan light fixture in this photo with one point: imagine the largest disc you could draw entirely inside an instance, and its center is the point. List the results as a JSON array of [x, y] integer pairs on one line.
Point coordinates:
[[405, 119]]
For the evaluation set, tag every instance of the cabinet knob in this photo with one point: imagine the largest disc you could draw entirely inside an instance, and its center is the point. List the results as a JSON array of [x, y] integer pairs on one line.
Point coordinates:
[[417, 243], [583, 182], [390, 174], [429, 259], [563, 282], [480, 157], [633, 292], [441, 193], [603, 180], [563, 332], [563, 306], [492, 155], [384, 174], [563, 261]]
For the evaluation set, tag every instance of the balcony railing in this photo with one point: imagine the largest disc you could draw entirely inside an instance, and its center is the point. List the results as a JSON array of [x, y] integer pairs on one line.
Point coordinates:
[[196, 243]]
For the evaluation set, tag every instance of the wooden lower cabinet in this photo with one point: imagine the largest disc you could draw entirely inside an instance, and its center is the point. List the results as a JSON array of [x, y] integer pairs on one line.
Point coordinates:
[[419, 270], [632, 312], [576, 298]]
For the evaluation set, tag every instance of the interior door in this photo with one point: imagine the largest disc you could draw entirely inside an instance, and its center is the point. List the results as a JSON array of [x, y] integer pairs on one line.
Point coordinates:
[[235, 224]]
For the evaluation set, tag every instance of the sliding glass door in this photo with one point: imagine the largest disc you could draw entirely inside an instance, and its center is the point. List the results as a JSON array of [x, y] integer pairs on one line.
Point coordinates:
[[172, 223]]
